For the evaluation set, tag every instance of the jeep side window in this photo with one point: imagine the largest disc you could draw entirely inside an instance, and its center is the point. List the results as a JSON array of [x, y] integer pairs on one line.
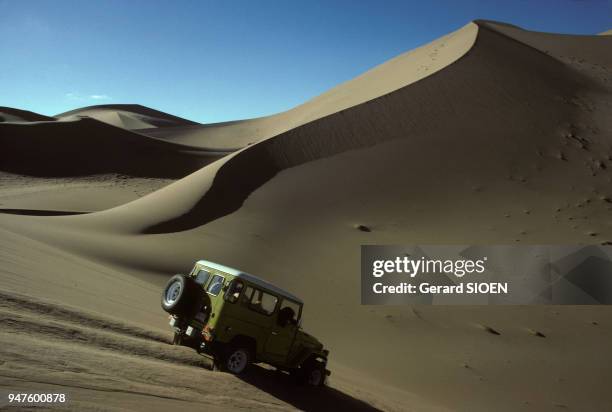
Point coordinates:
[[263, 302], [246, 296], [202, 277], [215, 285], [289, 313], [233, 292]]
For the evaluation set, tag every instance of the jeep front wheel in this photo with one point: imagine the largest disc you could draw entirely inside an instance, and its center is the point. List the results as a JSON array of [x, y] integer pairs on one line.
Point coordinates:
[[315, 376], [311, 373]]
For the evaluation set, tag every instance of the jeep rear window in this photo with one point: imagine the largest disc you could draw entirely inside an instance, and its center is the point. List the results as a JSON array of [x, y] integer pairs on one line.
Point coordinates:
[[263, 302], [216, 284], [202, 277]]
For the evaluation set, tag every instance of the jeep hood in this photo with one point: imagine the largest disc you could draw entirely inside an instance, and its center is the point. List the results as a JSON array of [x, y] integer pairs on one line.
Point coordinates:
[[310, 340]]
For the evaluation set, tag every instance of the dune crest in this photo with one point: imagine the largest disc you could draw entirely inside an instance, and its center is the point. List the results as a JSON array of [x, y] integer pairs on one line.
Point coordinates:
[[394, 74], [9, 114], [127, 116]]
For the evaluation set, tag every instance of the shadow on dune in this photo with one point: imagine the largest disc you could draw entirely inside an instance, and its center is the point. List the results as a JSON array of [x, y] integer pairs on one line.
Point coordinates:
[[88, 146], [36, 212], [304, 398]]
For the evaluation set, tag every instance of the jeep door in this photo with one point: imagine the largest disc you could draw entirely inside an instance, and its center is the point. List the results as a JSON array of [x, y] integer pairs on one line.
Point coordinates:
[[284, 328], [243, 313]]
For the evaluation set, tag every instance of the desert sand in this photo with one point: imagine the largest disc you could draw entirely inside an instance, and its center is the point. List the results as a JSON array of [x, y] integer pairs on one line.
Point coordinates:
[[489, 135]]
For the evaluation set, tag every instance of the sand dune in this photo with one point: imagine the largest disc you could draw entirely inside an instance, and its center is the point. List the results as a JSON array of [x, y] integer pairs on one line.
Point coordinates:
[[519, 148], [127, 116], [575, 50], [84, 164], [383, 79], [87, 146], [8, 114], [492, 134]]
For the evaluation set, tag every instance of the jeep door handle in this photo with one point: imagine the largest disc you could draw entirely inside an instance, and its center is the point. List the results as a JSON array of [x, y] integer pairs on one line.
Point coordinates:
[[274, 333]]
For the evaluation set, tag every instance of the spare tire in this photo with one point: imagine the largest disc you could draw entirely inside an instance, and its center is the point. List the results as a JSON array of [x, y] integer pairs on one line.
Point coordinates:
[[182, 296]]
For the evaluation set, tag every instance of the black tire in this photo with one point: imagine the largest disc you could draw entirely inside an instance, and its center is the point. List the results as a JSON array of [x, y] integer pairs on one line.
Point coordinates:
[[234, 359], [182, 296], [177, 339], [312, 373]]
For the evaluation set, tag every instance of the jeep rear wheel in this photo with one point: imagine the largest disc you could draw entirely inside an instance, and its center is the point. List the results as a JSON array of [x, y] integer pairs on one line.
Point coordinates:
[[236, 360]]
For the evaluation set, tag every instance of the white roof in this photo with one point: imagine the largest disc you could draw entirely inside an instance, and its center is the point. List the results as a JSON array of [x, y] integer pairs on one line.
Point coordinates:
[[250, 278]]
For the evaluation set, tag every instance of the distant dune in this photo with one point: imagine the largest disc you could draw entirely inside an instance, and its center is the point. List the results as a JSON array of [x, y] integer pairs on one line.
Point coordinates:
[[127, 116], [491, 134], [86, 146], [8, 114]]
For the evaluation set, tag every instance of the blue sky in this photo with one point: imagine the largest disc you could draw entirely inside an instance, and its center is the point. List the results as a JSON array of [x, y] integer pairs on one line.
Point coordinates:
[[220, 60]]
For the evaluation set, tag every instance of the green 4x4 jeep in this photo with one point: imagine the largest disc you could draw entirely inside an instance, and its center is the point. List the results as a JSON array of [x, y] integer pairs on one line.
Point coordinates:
[[237, 319]]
